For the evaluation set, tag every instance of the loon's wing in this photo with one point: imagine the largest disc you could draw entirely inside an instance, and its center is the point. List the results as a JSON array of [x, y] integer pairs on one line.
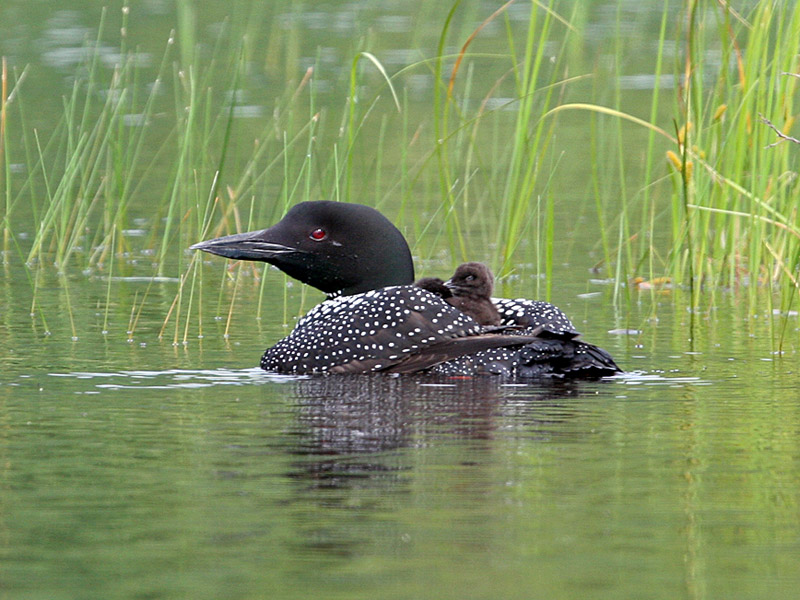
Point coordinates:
[[564, 358], [535, 313], [542, 358], [443, 351], [377, 330]]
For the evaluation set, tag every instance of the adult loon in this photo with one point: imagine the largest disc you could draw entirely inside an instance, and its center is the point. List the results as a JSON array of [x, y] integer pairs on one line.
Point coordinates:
[[375, 319]]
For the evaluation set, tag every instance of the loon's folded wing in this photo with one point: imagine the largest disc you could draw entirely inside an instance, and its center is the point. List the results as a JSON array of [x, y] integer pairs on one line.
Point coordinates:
[[368, 332]]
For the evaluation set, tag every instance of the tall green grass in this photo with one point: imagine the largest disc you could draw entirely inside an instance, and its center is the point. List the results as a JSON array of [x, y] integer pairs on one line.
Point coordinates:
[[710, 210], [722, 216], [733, 190]]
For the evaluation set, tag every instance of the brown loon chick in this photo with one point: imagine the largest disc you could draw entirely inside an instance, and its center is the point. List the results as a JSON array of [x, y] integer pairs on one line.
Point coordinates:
[[436, 286], [471, 286], [469, 290]]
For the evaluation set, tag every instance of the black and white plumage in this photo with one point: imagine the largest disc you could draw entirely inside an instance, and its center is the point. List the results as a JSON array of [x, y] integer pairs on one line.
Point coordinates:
[[398, 329], [522, 312], [375, 320], [553, 351]]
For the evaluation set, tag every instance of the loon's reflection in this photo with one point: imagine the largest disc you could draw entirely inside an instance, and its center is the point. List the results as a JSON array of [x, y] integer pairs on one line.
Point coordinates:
[[346, 425]]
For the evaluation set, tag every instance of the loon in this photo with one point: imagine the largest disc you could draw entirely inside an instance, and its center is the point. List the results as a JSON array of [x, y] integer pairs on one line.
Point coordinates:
[[469, 290], [436, 286], [376, 320], [472, 286]]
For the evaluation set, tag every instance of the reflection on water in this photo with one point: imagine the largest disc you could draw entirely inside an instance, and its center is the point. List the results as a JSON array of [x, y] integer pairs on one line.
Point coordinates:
[[342, 419], [362, 414], [327, 485]]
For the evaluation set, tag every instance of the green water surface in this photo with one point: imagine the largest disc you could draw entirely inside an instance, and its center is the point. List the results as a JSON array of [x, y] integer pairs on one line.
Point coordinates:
[[134, 465]]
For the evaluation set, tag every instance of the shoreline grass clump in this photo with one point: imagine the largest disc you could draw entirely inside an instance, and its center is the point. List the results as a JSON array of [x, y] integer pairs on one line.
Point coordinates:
[[719, 169], [735, 186]]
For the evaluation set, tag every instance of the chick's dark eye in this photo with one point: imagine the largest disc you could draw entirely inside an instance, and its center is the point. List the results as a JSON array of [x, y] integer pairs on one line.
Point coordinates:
[[470, 277], [318, 234]]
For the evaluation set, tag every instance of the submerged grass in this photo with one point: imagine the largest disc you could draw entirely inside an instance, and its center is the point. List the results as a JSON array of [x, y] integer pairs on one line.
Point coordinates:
[[707, 202]]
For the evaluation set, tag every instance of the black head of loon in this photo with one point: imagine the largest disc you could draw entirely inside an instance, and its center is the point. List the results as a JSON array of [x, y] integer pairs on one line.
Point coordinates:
[[336, 247]]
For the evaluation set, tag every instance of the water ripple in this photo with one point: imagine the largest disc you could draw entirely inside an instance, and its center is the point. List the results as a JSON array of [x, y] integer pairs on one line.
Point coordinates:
[[177, 378]]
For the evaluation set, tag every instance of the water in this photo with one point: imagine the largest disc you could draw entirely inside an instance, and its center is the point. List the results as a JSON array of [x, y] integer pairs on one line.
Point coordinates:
[[678, 480], [135, 467]]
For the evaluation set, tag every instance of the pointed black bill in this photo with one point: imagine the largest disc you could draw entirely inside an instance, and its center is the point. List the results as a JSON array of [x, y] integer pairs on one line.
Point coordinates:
[[244, 246]]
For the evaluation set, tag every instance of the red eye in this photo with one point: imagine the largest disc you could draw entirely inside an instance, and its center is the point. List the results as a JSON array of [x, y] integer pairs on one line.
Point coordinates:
[[318, 235]]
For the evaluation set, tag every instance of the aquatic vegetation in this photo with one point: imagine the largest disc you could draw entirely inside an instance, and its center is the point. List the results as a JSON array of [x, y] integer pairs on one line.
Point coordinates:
[[512, 144]]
